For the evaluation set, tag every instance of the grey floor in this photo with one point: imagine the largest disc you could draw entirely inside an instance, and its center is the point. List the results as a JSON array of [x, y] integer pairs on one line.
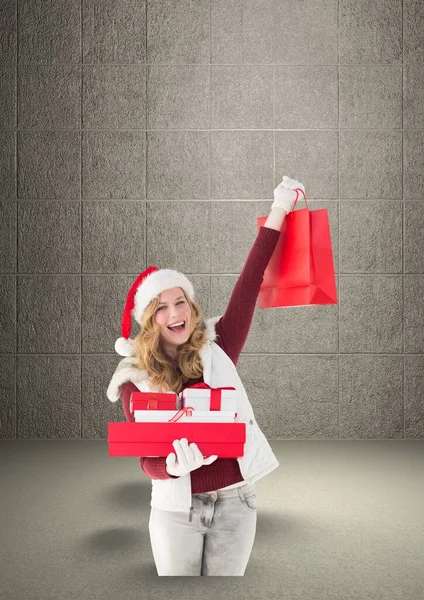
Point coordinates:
[[338, 519]]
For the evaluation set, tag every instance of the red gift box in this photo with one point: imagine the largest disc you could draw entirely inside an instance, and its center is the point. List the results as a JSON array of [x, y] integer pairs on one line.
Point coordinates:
[[226, 440], [152, 401]]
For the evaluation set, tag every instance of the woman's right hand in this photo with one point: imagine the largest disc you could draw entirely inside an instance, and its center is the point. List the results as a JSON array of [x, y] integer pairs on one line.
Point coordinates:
[[292, 184], [285, 194], [188, 458]]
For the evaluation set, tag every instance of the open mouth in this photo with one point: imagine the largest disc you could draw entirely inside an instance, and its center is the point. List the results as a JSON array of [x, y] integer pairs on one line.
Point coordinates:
[[178, 328]]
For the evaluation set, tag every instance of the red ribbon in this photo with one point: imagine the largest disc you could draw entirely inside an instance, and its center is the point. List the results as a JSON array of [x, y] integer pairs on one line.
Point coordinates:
[[188, 410], [215, 393], [152, 403]]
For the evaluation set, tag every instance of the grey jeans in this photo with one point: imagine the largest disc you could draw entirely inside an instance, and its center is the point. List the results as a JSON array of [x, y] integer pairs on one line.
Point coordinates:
[[217, 541]]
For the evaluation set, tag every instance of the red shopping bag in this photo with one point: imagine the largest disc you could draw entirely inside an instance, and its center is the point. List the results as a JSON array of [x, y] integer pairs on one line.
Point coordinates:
[[301, 269]]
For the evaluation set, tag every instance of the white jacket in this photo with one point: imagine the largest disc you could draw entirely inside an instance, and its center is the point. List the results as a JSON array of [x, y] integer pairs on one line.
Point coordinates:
[[218, 371]]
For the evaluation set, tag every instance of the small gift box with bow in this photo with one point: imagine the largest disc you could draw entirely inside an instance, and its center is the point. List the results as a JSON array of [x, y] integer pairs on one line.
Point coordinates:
[[153, 401], [204, 398], [161, 407]]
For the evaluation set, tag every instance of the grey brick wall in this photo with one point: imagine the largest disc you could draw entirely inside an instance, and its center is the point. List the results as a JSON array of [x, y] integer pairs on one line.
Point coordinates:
[[136, 133]]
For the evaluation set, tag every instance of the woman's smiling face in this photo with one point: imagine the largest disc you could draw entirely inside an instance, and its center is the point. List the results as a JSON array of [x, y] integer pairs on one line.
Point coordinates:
[[173, 308]]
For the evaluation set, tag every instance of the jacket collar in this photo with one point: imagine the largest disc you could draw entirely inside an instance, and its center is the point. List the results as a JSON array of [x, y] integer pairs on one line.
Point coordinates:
[[127, 369]]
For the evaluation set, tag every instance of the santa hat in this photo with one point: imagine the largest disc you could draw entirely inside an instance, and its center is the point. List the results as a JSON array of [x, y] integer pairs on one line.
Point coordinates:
[[145, 288]]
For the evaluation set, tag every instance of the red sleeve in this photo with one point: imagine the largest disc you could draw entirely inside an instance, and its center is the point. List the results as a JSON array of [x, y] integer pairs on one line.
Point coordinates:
[[233, 327], [152, 466], [126, 390]]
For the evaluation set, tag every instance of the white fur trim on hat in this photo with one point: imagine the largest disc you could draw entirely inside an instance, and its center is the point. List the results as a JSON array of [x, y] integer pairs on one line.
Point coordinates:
[[158, 282]]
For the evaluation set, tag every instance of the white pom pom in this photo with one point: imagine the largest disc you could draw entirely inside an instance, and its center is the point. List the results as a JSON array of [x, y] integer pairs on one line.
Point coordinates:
[[124, 347]]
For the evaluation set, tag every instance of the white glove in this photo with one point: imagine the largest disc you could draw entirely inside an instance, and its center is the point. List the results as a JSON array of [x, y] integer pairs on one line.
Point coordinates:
[[189, 458], [292, 184], [284, 194]]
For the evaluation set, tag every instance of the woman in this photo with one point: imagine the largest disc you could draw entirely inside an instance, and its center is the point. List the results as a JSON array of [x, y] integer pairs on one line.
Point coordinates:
[[203, 510]]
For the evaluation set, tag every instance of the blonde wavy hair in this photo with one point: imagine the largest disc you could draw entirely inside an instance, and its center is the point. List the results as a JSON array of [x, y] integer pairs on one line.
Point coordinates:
[[151, 357]]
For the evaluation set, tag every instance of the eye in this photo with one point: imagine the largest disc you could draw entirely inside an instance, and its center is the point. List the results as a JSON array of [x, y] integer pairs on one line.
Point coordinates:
[[180, 302]]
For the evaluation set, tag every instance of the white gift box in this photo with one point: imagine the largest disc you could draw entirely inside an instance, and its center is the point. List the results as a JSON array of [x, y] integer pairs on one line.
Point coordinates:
[[205, 393], [200, 399], [198, 416]]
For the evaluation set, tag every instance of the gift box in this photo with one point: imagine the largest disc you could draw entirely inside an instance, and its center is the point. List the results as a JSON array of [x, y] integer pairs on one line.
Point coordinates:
[[196, 416], [226, 440], [202, 397], [153, 401]]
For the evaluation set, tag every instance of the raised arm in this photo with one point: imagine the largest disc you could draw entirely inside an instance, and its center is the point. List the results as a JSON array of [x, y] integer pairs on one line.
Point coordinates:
[[233, 327], [276, 218]]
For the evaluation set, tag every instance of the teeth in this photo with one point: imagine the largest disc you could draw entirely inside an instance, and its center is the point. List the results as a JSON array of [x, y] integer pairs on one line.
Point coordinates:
[[176, 324]]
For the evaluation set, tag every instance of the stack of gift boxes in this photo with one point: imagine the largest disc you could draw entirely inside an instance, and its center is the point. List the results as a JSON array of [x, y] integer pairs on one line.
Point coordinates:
[[199, 413]]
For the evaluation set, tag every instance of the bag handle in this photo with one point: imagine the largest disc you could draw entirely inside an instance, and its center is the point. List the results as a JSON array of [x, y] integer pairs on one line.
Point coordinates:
[[297, 190]]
